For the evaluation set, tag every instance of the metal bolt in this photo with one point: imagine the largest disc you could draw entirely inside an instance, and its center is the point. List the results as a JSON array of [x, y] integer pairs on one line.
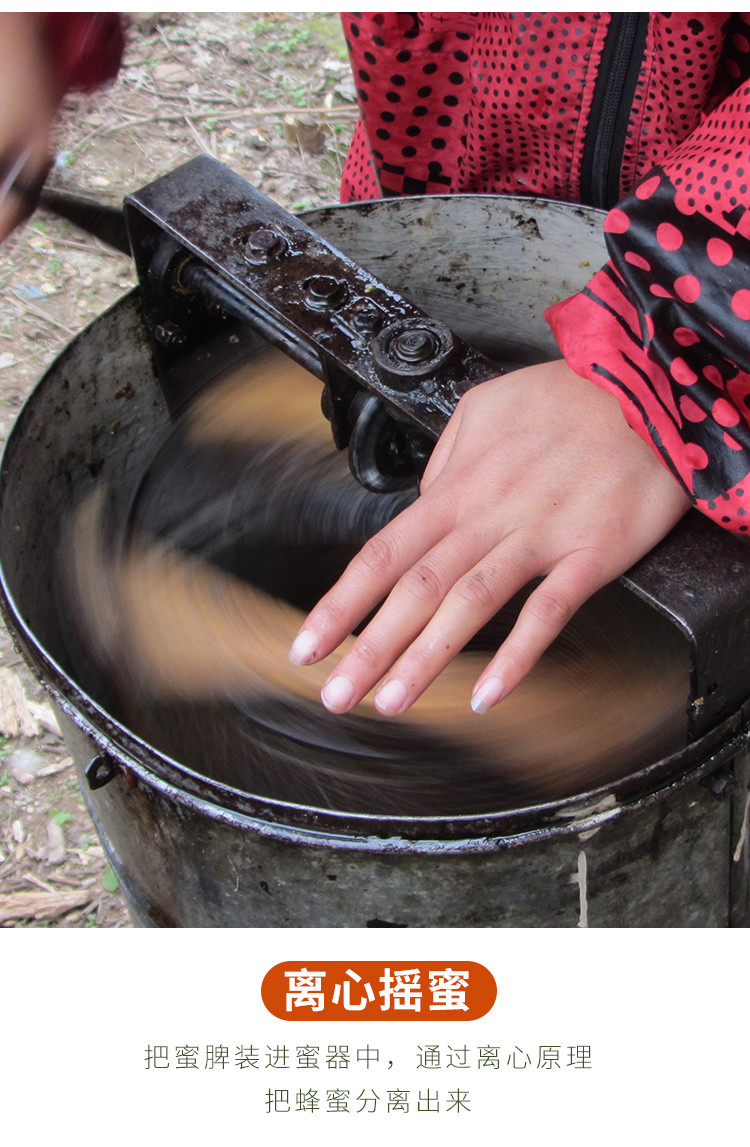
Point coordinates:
[[367, 318], [265, 242], [720, 784], [169, 334], [407, 352], [261, 245], [415, 346], [323, 293]]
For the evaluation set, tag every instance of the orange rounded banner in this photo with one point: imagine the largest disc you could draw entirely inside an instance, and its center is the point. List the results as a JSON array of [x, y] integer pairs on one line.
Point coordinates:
[[379, 990]]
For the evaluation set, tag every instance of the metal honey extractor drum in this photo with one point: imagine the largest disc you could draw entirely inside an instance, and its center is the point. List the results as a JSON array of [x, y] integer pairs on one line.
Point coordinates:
[[661, 845]]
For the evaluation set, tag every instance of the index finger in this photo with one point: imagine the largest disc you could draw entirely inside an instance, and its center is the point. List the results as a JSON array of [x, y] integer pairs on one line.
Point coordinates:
[[368, 579]]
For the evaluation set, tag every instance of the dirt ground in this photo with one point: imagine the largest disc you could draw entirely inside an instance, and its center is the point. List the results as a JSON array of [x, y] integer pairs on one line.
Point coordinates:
[[270, 95]]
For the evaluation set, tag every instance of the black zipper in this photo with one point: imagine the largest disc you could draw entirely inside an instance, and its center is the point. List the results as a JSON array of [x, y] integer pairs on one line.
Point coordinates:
[[622, 57]]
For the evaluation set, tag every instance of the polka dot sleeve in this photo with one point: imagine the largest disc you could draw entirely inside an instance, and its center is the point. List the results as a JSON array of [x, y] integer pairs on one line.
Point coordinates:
[[665, 325]]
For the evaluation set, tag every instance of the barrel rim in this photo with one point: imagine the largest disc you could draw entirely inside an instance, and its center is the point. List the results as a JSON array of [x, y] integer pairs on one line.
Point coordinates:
[[505, 828]]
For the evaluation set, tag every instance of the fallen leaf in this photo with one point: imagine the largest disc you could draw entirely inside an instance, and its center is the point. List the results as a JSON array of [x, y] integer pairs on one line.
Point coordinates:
[[307, 134], [110, 883]]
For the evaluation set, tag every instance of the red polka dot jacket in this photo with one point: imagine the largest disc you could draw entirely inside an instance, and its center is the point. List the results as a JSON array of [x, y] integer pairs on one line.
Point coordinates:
[[647, 114]]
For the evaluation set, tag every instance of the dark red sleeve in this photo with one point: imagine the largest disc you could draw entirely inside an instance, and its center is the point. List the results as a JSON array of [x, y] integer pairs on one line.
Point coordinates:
[[85, 48], [665, 325]]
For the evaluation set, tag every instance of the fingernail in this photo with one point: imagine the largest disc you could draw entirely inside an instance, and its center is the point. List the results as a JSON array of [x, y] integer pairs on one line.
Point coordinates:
[[486, 695], [391, 697], [304, 647], [337, 694]]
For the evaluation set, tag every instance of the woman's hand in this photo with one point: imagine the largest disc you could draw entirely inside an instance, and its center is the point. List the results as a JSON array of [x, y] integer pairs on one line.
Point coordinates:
[[536, 475]]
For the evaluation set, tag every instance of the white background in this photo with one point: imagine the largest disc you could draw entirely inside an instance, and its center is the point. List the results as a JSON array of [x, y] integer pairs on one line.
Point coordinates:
[[664, 1012]]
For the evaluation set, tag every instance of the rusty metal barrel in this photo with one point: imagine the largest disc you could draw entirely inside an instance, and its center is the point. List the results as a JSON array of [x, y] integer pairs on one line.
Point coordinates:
[[662, 846]]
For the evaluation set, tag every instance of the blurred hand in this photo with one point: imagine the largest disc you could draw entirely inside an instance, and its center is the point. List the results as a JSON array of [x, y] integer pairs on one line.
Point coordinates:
[[536, 475], [29, 98]]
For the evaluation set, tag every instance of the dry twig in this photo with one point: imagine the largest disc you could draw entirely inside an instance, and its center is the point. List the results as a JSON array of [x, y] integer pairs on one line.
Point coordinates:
[[238, 113], [39, 883], [93, 248], [42, 905], [203, 144], [24, 306], [16, 716]]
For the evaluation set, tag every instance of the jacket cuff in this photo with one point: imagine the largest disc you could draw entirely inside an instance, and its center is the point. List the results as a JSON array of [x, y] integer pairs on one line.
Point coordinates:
[[599, 332]]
